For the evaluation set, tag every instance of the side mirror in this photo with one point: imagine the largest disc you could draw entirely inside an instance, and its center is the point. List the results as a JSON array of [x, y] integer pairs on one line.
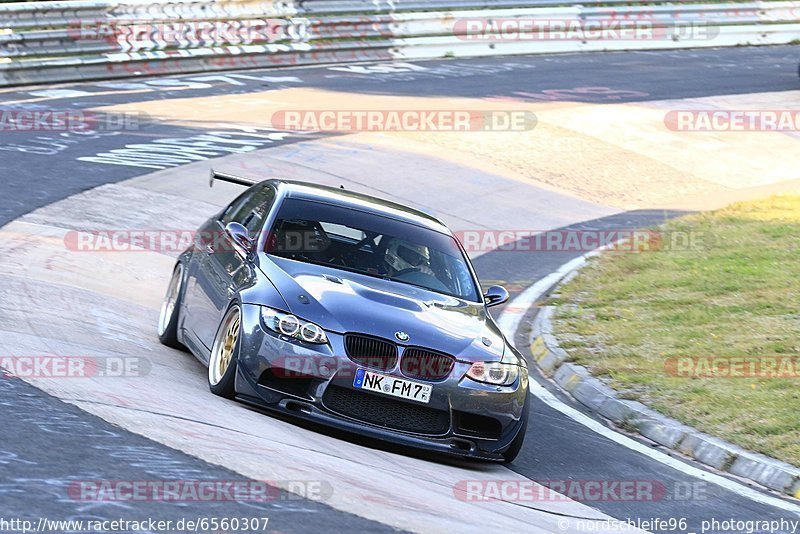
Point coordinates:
[[239, 235], [495, 295]]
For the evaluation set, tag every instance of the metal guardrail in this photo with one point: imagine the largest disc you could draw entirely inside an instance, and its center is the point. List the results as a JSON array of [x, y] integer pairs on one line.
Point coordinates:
[[45, 42]]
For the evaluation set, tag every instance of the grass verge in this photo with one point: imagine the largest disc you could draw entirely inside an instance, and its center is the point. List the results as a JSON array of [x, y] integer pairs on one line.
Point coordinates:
[[734, 296]]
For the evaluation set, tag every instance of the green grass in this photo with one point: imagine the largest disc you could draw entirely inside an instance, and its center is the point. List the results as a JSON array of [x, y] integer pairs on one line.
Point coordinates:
[[737, 294]]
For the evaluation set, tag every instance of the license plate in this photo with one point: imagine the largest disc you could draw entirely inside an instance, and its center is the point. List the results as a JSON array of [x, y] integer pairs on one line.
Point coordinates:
[[390, 385]]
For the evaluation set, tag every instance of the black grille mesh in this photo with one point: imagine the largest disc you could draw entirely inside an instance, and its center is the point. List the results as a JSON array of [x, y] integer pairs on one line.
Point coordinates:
[[386, 412], [371, 352], [426, 364]]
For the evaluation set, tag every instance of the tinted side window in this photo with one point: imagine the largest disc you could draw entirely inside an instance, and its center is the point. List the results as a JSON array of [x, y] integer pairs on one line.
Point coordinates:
[[251, 209], [229, 215]]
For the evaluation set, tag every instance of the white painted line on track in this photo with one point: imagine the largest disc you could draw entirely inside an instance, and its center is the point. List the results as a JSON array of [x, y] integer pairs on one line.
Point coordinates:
[[509, 322]]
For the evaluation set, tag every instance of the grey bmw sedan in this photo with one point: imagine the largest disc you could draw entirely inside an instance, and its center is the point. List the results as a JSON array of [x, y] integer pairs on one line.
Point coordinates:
[[349, 311]]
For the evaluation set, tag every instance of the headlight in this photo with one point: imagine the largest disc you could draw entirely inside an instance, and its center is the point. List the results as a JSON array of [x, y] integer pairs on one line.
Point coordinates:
[[289, 325], [495, 373]]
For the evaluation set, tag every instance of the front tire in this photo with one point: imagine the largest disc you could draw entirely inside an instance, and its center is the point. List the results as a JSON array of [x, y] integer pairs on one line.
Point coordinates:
[[225, 354], [511, 453], [168, 318]]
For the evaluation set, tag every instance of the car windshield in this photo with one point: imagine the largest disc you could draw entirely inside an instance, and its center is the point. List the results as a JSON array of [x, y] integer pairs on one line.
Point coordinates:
[[351, 240]]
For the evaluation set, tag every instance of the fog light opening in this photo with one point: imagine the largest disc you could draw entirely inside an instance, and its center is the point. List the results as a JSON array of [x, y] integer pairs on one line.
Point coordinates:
[[298, 407], [461, 444]]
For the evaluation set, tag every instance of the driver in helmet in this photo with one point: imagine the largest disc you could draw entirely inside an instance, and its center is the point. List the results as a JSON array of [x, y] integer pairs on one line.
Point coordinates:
[[409, 257]]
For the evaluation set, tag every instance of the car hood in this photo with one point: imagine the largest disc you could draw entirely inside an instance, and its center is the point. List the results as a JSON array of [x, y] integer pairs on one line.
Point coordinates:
[[344, 302]]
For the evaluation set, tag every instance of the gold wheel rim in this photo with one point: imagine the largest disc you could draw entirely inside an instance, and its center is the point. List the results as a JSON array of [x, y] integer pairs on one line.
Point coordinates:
[[224, 349], [228, 344]]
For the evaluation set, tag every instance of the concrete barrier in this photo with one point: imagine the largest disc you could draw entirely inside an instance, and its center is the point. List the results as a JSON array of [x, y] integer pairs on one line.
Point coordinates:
[[47, 42]]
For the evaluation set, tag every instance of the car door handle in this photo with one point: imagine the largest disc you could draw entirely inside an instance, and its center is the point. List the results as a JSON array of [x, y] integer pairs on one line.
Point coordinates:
[[209, 249]]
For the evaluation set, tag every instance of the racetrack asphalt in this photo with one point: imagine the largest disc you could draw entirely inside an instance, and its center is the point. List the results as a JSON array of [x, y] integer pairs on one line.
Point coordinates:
[[42, 168]]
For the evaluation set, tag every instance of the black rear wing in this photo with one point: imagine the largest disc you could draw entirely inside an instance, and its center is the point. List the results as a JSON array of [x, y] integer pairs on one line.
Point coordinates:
[[230, 178]]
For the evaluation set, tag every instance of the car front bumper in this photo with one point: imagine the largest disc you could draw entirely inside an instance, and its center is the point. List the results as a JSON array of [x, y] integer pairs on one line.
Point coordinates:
[[315, 383]]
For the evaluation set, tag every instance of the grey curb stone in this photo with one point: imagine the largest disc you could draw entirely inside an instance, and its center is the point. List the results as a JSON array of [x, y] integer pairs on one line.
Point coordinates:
[[710, 450], [549, 363], [765, 471], [664, 432], [545, 318], [632, 412], [597, 396], [569, 376], [593, 393]]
